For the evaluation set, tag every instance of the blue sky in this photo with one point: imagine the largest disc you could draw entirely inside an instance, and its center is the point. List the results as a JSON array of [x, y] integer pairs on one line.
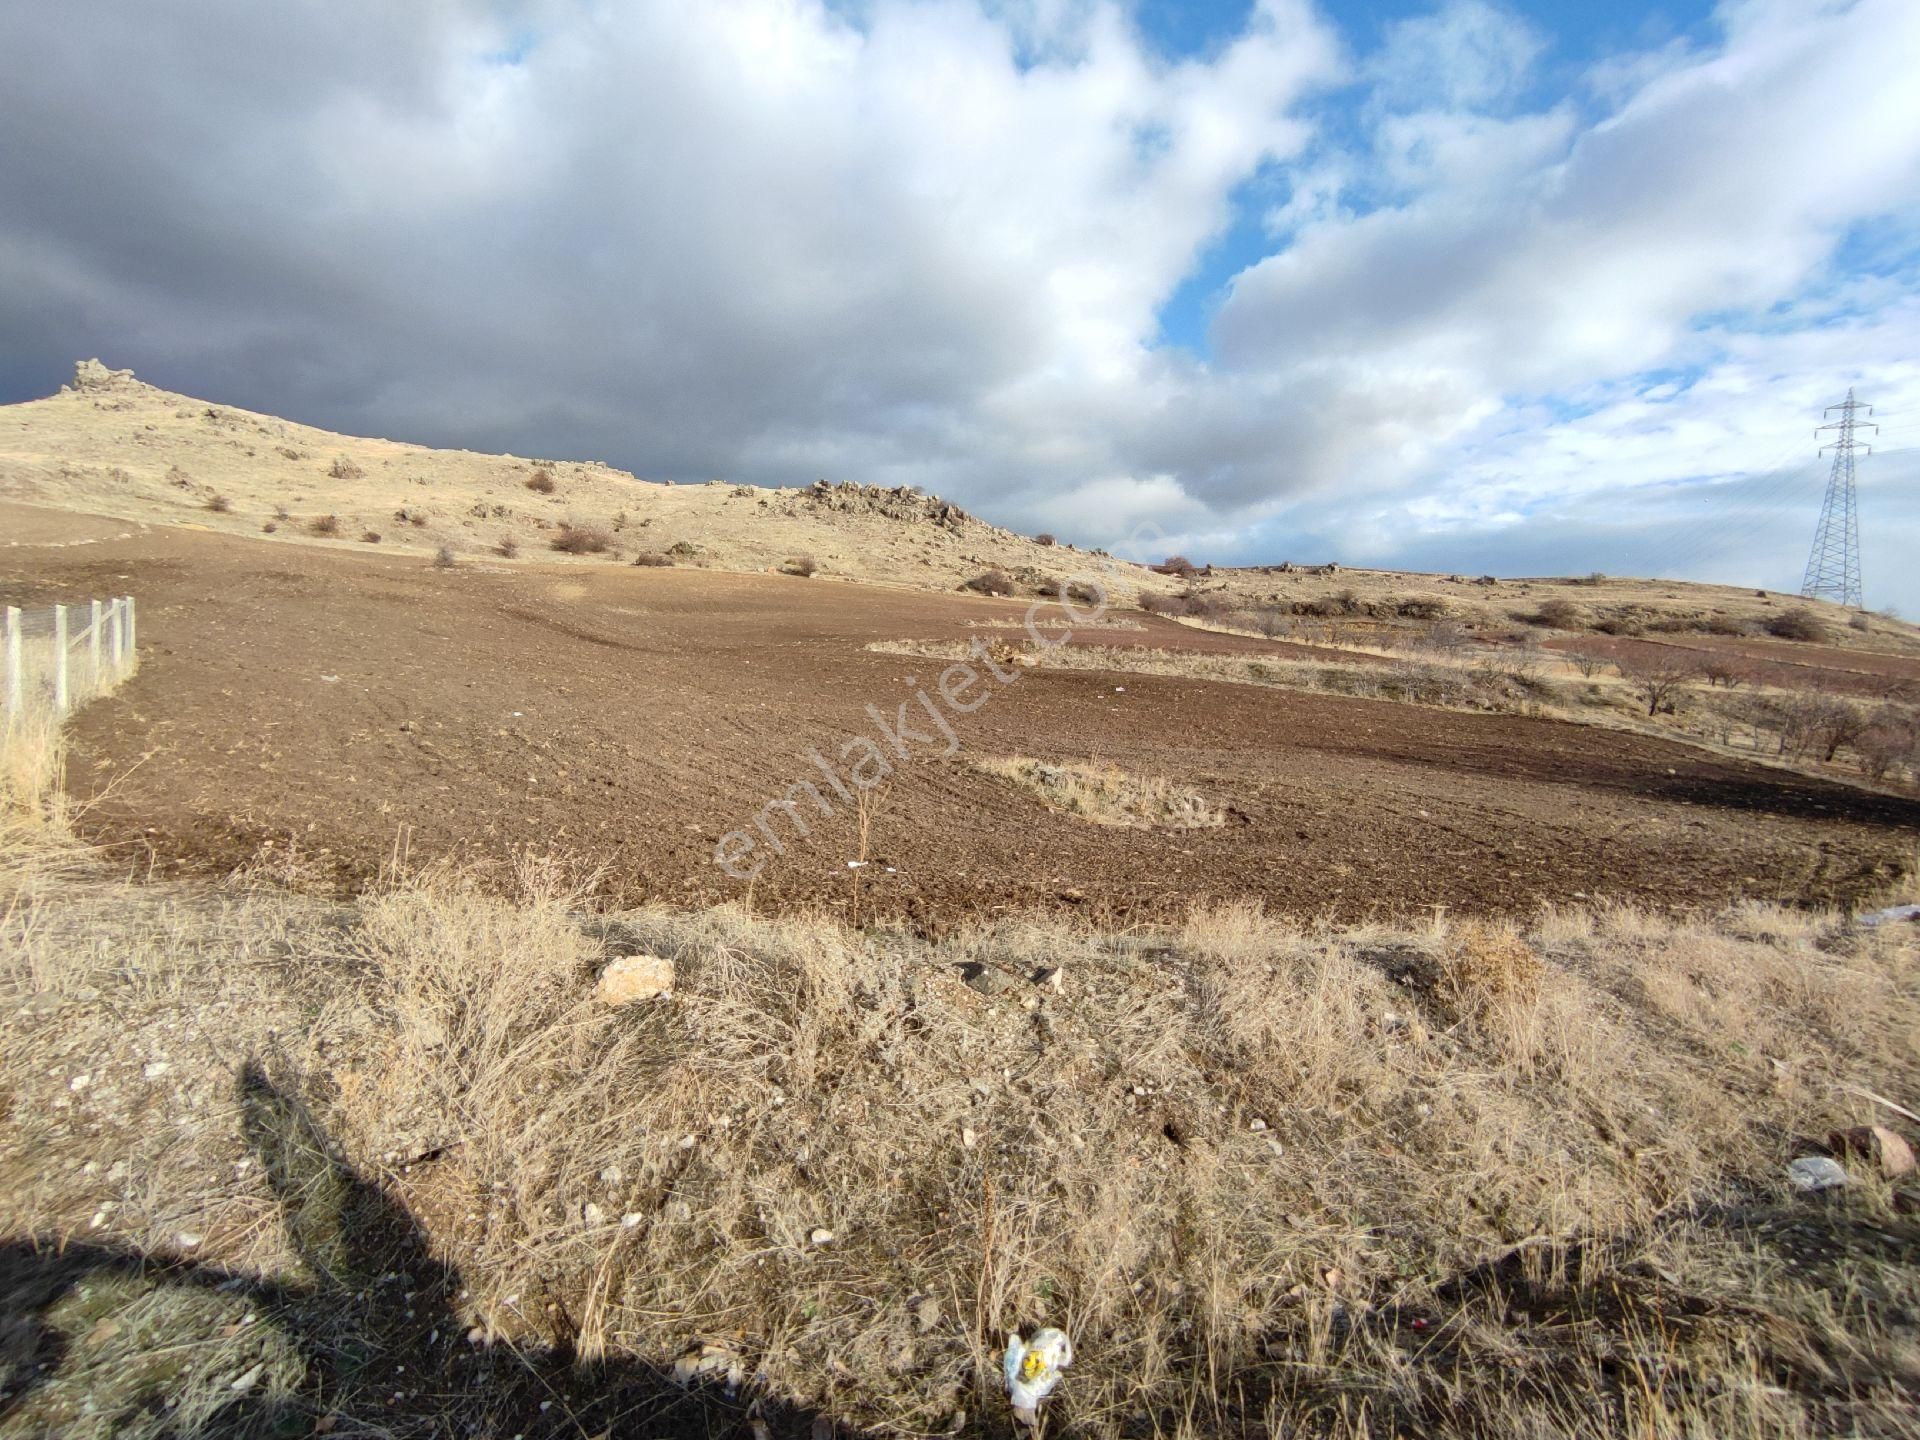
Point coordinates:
[[1459, 284], [1573, 36]]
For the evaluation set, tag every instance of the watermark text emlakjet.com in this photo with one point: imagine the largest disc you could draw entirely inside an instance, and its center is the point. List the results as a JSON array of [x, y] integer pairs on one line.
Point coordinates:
[[926, 718]]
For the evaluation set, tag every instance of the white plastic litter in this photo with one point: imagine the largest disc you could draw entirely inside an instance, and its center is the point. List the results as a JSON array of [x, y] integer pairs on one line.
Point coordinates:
[[1033, 1370], [1816, 1172], [1892, 912]]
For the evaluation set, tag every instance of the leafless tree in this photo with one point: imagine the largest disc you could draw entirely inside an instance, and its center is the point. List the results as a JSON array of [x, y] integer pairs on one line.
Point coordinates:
[[1660, 680]]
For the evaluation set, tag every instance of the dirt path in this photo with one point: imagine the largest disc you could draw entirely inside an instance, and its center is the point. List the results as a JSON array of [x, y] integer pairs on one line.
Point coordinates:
[[633, 717]]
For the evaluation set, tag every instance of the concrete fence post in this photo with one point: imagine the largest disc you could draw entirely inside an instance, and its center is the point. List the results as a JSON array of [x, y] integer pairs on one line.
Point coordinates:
[[93, 642], [59, 660], [16, 688], [127, 600], [114, 638]]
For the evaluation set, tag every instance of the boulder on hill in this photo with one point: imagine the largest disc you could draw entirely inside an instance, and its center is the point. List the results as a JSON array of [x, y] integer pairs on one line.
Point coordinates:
[[92, 375]]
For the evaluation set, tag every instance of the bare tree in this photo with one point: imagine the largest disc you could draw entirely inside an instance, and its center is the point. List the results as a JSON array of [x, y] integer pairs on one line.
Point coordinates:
[[1660, 680], [1449, 637], [1839, 722], [1725, 670]]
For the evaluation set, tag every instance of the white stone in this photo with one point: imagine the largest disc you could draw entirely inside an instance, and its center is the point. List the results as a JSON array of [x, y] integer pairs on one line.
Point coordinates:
[[633, 978]]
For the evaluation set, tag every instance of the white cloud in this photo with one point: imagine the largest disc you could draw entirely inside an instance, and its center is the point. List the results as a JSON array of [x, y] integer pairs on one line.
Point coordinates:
[[929, 242], [1465, 54]]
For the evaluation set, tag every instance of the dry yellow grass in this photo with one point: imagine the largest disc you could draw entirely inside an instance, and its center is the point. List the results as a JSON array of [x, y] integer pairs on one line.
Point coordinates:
[[1103, 793], [1456, 1180]]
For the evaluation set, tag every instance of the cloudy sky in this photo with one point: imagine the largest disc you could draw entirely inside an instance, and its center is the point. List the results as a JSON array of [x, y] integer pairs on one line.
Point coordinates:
[[1512, 287]]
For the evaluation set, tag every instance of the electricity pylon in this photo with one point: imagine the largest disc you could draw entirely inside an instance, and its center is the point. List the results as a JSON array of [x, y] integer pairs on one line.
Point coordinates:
[[1833, 568]]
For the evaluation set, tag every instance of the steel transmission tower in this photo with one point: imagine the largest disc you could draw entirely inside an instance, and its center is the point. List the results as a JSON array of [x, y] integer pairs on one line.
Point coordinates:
[[1833, 568]]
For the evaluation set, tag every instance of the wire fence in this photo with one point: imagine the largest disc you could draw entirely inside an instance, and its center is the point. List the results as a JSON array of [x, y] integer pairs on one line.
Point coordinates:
[[63, 656]]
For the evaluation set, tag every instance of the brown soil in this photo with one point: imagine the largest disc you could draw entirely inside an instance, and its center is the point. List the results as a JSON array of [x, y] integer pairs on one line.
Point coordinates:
[[1786, 663], [343, 702]]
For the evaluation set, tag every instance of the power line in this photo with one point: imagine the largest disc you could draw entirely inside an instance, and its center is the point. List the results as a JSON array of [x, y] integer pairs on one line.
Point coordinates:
[[1833, 565]]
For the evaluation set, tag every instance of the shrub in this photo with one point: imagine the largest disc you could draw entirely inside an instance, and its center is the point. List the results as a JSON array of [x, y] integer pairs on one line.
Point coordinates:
[[1449, 637], [1272, 621], [1859, 622], [1043, 538], [541, 482], [371, 537], [443, 558], [1188, 606], [572, 539], [1486, 967], [1047, 587], [1176, 565], [324, 525], [344, 469], [1342, 602], [651, 558], [989, 582], [269, 528], [1798, 623], [1423, 607], [508, 548], [418, 519], [1082, 593], [219, 504], [1557, 615], [801, 565]]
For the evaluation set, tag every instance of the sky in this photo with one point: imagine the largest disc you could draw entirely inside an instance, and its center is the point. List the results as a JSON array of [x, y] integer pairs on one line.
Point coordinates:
[[1495, 288]]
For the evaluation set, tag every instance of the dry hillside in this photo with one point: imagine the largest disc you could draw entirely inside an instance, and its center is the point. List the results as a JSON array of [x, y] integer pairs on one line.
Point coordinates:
[[109, 444]]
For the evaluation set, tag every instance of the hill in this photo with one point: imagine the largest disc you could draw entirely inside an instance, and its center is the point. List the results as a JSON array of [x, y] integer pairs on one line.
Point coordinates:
[[111, 444]]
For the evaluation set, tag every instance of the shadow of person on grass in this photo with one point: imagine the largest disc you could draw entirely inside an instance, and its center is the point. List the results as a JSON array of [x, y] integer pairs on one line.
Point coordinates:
[[374, 1341]]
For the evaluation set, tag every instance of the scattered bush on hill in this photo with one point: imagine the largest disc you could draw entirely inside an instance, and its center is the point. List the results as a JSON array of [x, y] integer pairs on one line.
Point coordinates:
[[575, 539], [1799, 623], [989, 582], [1557, 615]]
